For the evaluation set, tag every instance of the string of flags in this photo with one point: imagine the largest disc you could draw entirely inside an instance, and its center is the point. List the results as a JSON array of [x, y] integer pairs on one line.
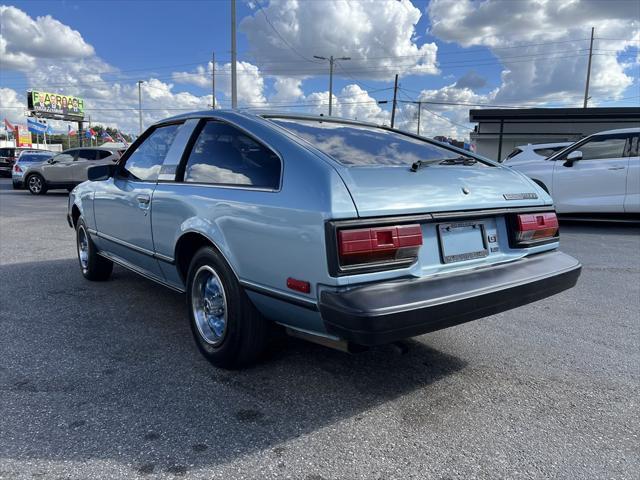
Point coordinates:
[[35, 126]]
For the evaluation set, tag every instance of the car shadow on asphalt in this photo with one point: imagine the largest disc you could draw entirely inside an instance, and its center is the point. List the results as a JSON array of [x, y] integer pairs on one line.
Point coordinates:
[[109, 371]]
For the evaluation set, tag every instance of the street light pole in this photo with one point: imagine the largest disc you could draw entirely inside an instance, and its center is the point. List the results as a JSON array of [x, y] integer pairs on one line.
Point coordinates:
[[140, 82], [331, 62], [234, 55], [213, 80], [586, 87]]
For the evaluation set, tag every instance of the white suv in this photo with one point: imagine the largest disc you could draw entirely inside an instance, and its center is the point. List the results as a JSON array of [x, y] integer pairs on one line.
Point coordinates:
[[598, 174]]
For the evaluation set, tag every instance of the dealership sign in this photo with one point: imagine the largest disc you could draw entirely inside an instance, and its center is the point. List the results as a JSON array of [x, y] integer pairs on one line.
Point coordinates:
[[55, 105]]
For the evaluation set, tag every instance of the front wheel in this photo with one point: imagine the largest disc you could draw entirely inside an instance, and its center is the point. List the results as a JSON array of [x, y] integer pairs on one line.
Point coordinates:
[[93, 266], [36, 184], [227, 328]]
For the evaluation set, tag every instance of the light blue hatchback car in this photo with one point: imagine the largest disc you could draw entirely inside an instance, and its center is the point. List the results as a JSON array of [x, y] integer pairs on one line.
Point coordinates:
[[346, 233]]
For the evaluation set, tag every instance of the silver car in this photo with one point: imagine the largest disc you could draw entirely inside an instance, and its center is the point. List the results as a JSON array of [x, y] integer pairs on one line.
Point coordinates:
[[67, 169], [27, 159], [346, 233]]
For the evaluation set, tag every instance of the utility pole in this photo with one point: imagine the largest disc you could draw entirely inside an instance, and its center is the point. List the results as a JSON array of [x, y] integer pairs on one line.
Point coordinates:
[[395, 96], [213, 80], [234, 55], [331, 62], [419, 112], [140, 82], [586, 88]]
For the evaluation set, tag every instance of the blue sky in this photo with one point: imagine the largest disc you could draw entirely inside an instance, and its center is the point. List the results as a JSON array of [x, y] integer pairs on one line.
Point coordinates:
[[168, 41]]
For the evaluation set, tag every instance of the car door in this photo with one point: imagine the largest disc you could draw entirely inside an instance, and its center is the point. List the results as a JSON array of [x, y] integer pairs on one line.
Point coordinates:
[[59, 170], [632, 197], [122, 204], [597, 181]]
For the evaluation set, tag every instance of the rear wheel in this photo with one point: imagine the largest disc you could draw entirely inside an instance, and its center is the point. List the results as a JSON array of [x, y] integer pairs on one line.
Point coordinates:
[[227, 328], [36, 184], [93, 266]]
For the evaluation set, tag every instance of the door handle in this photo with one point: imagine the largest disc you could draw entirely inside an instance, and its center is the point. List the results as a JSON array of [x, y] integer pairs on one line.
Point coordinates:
[[143, 200], [616, 168]]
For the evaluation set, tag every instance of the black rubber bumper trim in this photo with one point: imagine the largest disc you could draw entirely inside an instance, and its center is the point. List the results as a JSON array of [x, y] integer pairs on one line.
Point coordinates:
[[384, 312]]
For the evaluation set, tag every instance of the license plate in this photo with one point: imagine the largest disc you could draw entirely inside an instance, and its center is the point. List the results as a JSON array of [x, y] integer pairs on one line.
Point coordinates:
[[462, 241]]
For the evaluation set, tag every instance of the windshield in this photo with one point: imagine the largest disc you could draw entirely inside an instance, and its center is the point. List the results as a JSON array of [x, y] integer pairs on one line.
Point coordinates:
[[33, 157], [359, 145]]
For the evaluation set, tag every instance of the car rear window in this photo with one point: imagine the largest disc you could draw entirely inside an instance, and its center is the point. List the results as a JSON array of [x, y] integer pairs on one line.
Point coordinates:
[[359, 145], [33, 157], [547, 152], [516, 151]]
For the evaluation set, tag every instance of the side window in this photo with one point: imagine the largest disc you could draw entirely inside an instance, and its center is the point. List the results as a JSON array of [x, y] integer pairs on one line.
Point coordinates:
[[603, 147], [87, 155], [102, 154], [145, 162], [633, 147], [224, 155], [547, 152], [65, 157]]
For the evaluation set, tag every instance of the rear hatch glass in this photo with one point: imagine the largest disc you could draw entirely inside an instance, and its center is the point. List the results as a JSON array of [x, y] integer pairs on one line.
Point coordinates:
[[360, 145]]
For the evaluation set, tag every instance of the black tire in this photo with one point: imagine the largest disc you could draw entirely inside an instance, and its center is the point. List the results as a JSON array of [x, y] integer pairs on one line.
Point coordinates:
[[246, 331], [93, 267], [36, 184]]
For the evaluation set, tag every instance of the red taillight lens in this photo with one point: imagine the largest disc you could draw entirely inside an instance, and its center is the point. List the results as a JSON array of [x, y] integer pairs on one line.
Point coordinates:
[[531, 227], [379, 244], [298, 285], [17, 169]]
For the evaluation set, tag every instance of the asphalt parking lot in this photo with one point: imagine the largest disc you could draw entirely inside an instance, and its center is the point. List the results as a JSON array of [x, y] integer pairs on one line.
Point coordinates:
[[103, 380]]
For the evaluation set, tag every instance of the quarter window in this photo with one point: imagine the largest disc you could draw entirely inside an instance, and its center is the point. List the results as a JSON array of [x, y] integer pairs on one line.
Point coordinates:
[[603, 147], [224, 155], [87, 155], [145, 162]]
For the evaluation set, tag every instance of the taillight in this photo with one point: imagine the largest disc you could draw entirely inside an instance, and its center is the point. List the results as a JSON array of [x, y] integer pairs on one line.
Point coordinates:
[[362, 246], [17, 169], [535, 227]]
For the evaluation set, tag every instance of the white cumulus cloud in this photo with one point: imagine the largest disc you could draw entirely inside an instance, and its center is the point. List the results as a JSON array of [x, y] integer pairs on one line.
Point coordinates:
[[378, 35]]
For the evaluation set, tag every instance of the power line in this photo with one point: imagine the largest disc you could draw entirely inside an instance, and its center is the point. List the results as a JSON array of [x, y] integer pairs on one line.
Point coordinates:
[[266, 17]]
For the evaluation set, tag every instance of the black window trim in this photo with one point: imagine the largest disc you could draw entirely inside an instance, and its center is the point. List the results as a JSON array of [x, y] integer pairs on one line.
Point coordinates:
[[134, 146], [180, 169]]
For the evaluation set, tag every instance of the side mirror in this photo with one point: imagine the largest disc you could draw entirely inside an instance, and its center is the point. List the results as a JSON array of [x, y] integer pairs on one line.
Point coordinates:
[[51, 161], [572, 158], [101, 172]]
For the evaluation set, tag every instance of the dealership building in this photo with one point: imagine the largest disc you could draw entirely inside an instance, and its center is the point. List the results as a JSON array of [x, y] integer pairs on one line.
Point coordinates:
[[499, 131]]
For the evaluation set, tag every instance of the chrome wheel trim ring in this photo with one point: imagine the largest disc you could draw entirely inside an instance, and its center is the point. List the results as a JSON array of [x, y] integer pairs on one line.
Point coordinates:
[[35, 184], [83, 248], [209, 305]]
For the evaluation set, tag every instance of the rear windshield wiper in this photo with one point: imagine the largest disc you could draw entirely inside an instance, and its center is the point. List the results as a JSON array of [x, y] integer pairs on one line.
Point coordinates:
[[461, 160]]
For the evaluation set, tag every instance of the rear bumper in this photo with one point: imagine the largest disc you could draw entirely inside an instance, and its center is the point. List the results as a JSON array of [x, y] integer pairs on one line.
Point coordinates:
[[385, 312]]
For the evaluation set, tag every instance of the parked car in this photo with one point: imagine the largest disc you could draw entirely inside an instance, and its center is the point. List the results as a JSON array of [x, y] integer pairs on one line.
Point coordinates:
[[26, 159], [345, 233], [8, 156], [67, 169], [538, 151], [598, 174]]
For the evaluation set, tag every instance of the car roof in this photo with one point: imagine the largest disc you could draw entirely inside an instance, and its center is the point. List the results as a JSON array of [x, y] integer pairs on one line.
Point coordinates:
[[534, 146], [619, 130], [110, 149], [231, 114]]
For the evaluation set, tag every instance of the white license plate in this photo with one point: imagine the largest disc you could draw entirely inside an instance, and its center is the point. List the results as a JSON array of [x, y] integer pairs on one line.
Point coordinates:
[[462, 241]]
